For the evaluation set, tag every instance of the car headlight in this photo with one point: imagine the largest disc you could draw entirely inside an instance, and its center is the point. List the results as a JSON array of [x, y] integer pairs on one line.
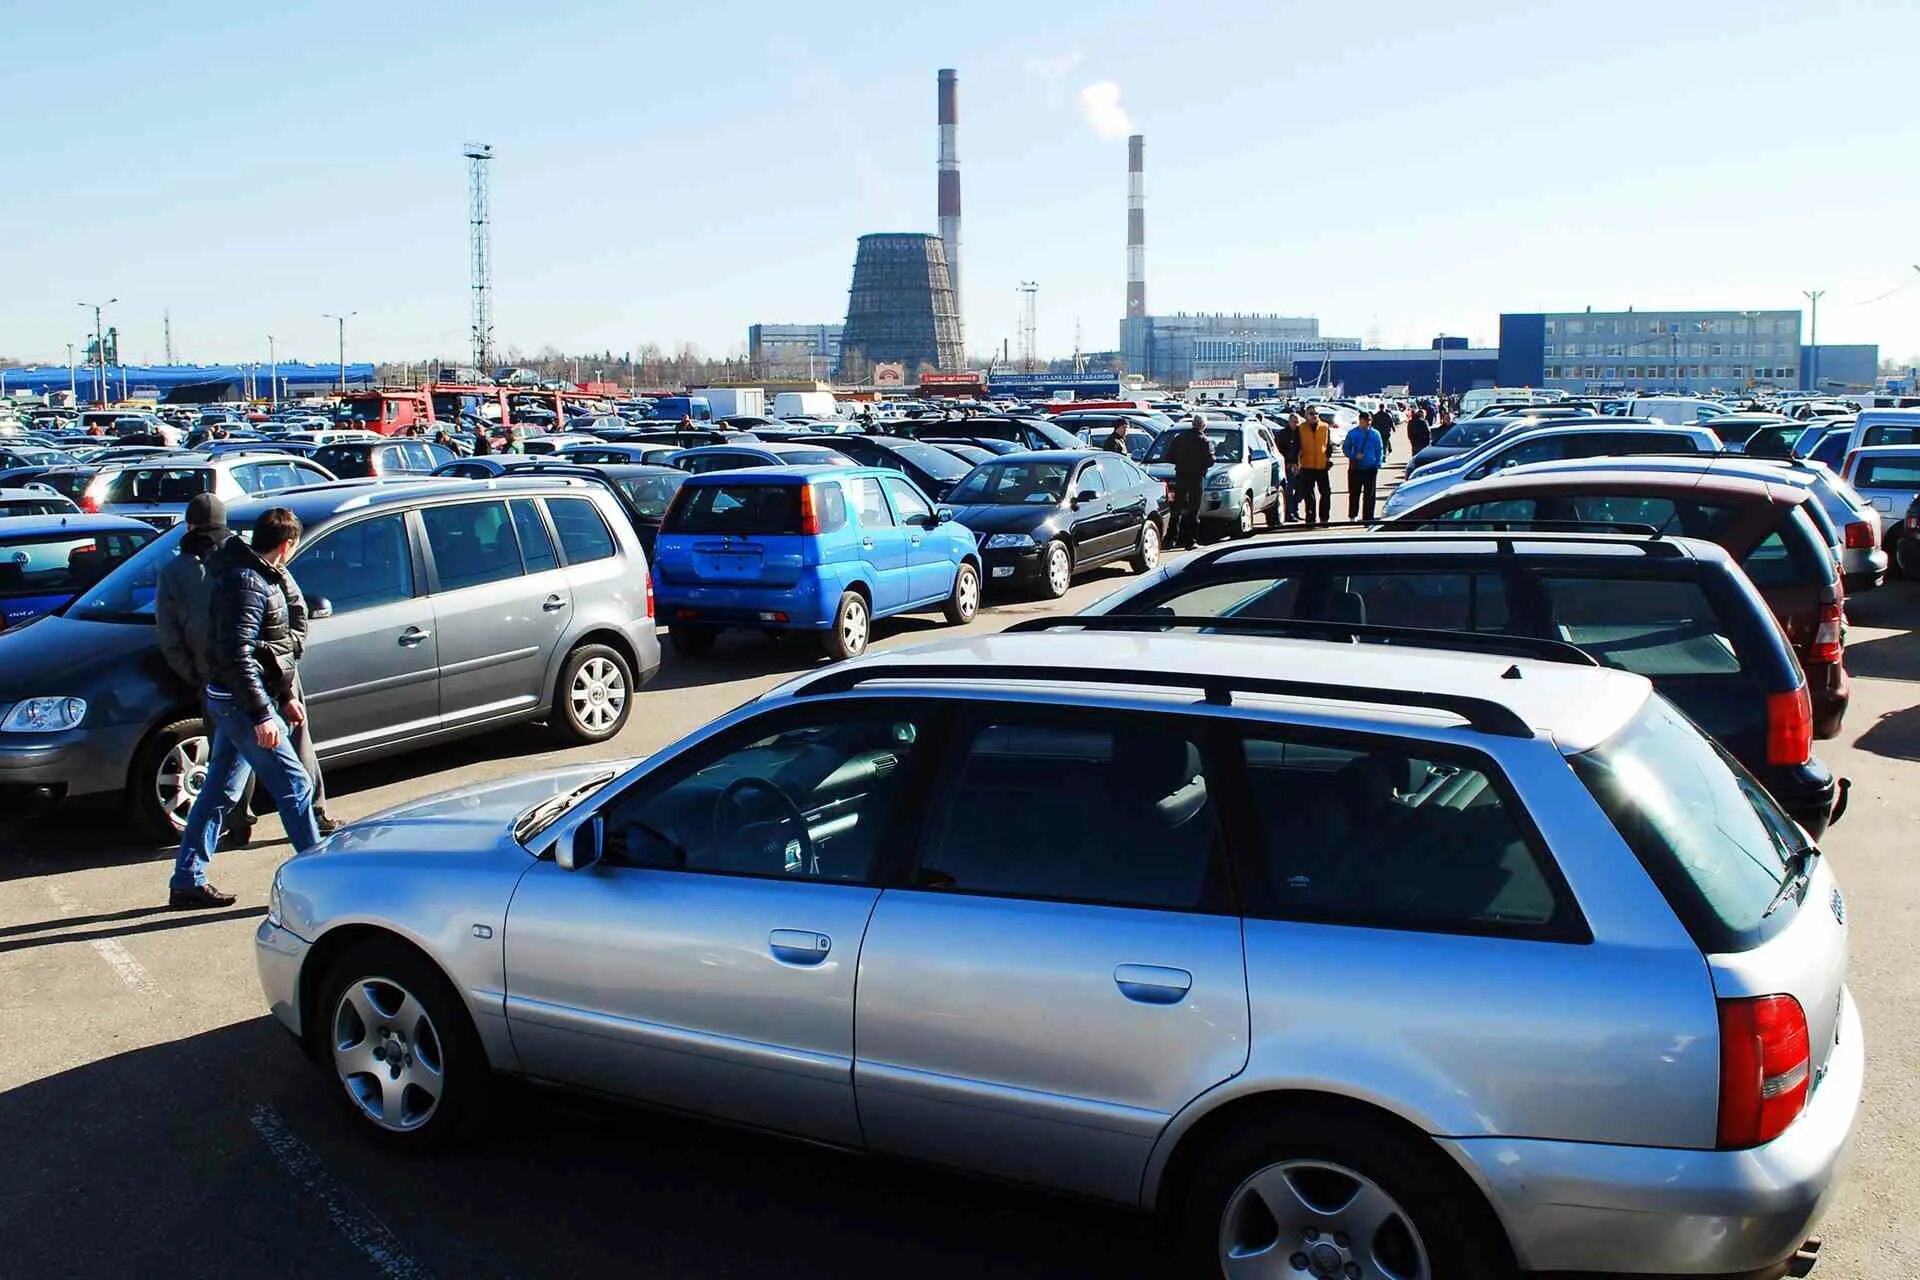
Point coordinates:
[[274, 912], [1000, 540], [1220, 480], [45, 715]]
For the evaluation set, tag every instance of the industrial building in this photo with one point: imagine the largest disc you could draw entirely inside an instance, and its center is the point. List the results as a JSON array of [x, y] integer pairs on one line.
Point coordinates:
[[1173, 350], [1839, 367], [900, 307], [1423, 371], [1678, 351], [793, 350], [188, 383]]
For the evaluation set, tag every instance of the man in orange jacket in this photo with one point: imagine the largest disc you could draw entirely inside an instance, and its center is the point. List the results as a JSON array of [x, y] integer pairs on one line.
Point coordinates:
[[1316, 458]]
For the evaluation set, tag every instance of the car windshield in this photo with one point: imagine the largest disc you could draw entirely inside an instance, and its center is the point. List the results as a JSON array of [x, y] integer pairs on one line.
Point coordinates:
[[651, 494], [346, 460], [127, 593], [363, 410], [937, 463], [1013, 484], [811, 457], [1472, 433], [1888, 473], [1709, 835]]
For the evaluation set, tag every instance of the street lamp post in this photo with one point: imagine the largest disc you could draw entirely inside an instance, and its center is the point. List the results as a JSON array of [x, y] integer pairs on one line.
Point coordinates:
[[342, 322], [99, 352], [273, 375], [1813, 342], [73, 377]]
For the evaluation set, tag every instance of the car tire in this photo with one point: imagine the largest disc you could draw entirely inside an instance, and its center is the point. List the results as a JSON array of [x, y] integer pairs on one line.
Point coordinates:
[[594, 697], [1146, 556], [1277, 513], [1243, 527], [165, 778], [1056, 574], [1313, 1164], [964, 600], [1903, 556], [691, 639], [382, 998], [852, 628]]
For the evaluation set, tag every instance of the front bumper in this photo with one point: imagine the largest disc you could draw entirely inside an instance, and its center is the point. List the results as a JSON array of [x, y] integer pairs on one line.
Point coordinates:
[[1012, 566], [1654, 1211], [78, 762], [279, 956]]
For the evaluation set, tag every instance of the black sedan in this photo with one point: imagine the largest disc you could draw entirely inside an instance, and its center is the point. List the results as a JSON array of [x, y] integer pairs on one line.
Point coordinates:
[[931, 467], [1042, 517]]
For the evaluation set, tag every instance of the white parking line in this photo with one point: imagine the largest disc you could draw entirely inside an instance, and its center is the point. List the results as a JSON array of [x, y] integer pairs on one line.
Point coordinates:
[[118, 958], [353, 1219]]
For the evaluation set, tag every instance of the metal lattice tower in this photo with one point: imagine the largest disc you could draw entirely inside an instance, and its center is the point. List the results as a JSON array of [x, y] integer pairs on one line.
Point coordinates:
[[1029, 325], [480, 251]]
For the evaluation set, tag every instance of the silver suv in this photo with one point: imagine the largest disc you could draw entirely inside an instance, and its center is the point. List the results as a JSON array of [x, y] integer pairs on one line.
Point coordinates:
[[1452, 964]]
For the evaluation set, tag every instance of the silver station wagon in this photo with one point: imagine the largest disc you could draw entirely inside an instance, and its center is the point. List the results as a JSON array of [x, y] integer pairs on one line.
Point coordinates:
[[1429, 964]]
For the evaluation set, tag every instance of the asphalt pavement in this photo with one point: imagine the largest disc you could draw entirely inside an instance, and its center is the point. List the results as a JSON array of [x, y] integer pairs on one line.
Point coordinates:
[[154, 1120]]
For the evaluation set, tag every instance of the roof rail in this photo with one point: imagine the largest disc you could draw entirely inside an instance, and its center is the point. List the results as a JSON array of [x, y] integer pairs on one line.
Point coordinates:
[[1655, 541], [1533, 526], [1314, 628], [1482, 713]]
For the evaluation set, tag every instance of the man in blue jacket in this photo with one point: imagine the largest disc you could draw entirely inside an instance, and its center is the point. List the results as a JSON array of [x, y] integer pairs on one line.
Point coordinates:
[[1365, 451]]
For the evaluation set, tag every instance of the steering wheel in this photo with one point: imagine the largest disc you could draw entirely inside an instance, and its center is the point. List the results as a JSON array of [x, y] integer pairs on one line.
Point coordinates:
[[725, 828]]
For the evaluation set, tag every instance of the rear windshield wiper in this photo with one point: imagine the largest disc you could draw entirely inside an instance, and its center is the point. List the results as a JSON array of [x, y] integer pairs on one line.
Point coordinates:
[[1799, 872]]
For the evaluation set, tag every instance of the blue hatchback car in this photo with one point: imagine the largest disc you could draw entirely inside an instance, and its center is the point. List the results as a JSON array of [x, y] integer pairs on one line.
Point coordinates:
[[815, 548]]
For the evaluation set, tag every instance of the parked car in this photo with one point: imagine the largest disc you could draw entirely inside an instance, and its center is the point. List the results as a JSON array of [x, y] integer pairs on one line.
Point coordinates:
[[555, 441], [971, 454], [34, 502], [1589, 981], [439, 609], [1549, 442], [1043, 517], [624, 451], [32, 455], [999, 448], [1765, 526], [930, 467], [1907, 547], [1825, 442], [1464, 435], [1245, 479], [1872, 427], [158, 490], [1888, 476], [1029, 434], [46, 559], [825, 549], [363, 459], [1736, 429], [1678, 611], [765, 453]]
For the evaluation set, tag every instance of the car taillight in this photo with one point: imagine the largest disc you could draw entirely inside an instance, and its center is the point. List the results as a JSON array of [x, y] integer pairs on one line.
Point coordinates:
[[1830, 637], [1790, 727], [809, 519], [649, 597], [1765, 1069], [1859, 536], [89, 500]]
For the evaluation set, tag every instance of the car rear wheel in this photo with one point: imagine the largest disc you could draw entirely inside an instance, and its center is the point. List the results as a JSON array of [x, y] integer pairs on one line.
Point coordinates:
[[1147, 554], [595, 694], [407, 1060], [1059, 570], [692, 639], [167, 773], [851, 623], [1332, 1194], [964, 601]]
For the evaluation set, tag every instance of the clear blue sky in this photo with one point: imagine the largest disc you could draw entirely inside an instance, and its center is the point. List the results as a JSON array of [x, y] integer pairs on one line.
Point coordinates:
[[674, 173]]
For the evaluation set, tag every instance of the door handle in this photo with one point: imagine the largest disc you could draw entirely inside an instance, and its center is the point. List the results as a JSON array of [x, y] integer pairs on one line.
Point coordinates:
[[553, 604], [867, 543], [915, 540], [799, 946], [1152, 983], [414, 635]]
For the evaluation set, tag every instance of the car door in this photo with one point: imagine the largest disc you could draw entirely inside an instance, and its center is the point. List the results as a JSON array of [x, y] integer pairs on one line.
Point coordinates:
[[929, 569], [1061, 973], [1127, 500], [371, 668], [883, 544], [709, 961], [1090, 514], [490, 620]]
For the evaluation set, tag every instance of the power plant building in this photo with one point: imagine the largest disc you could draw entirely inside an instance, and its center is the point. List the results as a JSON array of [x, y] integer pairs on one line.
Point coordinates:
[[790, 351], [901, 307]]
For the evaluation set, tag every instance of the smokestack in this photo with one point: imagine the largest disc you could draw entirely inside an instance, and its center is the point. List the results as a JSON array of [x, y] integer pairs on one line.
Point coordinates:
[[949, 208], [1136, 227]]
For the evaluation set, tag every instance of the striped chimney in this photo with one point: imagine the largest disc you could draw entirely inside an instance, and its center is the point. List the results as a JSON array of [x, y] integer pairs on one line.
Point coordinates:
[[1136, 227], [949, 207]]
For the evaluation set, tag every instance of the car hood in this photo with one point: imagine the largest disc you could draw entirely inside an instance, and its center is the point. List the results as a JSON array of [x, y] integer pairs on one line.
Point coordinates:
[[1007, 518], [467, 819], [1164, 470], [99, 661]]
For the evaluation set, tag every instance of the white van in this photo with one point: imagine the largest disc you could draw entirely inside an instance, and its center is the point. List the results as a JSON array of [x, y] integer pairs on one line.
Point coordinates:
[[1473, 401], [1676, 410], [1883, 426], [804, 404]]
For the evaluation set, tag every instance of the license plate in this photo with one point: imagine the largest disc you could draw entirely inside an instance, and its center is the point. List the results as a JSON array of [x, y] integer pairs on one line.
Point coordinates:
[[1003, 571]]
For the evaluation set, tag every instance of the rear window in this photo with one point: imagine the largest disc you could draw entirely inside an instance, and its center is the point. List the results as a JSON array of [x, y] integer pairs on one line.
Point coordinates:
[[69, 484], [651, 494], [811, 457], [62, 564], [736, 508], [1888, 473], [346, 460], [1890, 433], [159, 484], [1642, 625], [1709, 835]]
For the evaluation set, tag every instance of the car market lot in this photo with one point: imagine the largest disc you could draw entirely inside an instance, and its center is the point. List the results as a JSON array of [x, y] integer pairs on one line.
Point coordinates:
[[139, 1067]]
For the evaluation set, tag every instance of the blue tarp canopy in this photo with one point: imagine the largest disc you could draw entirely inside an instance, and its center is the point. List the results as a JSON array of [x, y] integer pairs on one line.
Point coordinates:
[[187, 383]]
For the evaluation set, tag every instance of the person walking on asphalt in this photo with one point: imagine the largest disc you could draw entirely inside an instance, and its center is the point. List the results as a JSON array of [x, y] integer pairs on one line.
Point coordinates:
[[1419, 435], [1287, 437], [250, 701], [1365, 452], [1117, 442], [1316, 459], [1191, 456]]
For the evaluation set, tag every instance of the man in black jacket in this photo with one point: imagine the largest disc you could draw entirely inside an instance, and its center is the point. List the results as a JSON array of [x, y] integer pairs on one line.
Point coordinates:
[[1191, 457], [250, 700]]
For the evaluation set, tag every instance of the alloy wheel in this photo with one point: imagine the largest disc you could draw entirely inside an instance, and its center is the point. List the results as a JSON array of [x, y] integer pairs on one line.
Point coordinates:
[[177, 783], [388, 1054], [853, 626], [1059, 570], [1149, 545], [967, 592], [598, 695], [1246, 515], [1321, 1221]]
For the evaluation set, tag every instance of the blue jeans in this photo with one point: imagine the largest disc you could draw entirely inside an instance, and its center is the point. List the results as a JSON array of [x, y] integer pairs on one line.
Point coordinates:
[[234, 756]]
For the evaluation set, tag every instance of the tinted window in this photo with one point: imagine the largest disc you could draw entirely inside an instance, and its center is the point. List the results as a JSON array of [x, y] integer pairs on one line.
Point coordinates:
[[937, 463], [1890, 434], [356, 567], [1888, 473], [1117, 474], [584, 536], [346, 460], [736, 508], [472, 543], [1643, 625], [1495, 513], [1006, 483], [830, 506], [159, 484], [62, 564], [650, 494], [811, 457], [1241, 598], [1449, 601], [1709, 835], [870, 504], [1089, 481], [1379, 836], [908, 505], [1690, 519], [808, 797], [536, 548], [1098, 809]]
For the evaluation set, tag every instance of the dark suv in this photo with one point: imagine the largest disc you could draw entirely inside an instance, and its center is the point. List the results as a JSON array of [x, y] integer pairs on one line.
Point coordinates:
[[1676, 610]]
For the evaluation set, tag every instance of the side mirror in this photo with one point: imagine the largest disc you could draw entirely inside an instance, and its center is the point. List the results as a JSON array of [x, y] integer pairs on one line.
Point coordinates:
[[1260, 455], [319, 607], [1085, 495], [940, 516], [580, 843]]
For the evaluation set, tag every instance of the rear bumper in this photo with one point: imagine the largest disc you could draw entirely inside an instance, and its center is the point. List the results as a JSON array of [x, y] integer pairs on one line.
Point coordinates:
[[799, 606], [1863, 569], [1808, 792], [1594, 1209], [1830, 688]]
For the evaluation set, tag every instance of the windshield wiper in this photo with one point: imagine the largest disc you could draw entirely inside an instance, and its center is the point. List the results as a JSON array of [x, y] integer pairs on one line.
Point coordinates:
[[1799, 873], [535, 820]]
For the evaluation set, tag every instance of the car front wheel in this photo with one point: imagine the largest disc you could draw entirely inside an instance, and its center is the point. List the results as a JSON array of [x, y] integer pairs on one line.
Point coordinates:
[[964, 601], [1059, 570], [166, 778]]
